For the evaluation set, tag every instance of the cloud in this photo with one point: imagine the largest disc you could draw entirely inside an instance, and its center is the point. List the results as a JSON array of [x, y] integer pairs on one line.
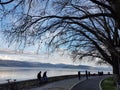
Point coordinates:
[[29, 54], [6, 54]]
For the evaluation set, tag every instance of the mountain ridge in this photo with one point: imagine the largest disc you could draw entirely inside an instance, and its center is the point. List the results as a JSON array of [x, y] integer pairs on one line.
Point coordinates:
[[13, 63]]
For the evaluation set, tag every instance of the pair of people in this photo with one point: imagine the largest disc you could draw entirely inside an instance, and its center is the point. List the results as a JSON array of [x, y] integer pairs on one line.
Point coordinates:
[[86, 74], [44, 78]]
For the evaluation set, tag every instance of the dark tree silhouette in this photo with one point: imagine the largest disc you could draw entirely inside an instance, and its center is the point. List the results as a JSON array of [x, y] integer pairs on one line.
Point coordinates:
[[86, 28]]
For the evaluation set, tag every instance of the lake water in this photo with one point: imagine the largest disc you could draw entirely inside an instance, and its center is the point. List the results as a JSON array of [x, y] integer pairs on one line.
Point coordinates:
[[24, 73]]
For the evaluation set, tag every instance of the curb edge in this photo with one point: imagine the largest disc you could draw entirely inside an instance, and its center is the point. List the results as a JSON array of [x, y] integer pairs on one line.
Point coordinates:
[[76, 83], [100, 84]]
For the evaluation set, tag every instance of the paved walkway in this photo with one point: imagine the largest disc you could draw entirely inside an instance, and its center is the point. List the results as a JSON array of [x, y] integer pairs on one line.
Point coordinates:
[[59, 85], [73, 84], [90, 84]]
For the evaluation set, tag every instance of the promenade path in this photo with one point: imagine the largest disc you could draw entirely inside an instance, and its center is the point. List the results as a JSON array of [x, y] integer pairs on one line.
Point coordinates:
[[59, 85], [90, 84], [73, 84]]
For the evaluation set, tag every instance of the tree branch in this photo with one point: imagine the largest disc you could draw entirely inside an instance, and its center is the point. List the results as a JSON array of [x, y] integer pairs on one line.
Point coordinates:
[[79, 18], [7, 2], [103, 5]]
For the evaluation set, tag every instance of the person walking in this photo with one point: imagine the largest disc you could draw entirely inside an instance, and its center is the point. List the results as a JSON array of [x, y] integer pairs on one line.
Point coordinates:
[[86, 74], [89, 74], [79, 75], [45, 76], [39, 76]]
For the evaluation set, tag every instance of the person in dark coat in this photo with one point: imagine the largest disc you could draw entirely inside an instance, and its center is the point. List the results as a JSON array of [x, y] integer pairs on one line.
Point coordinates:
[[79, 75], [45, 76], [86, 74], [39, 76], [89, 74]]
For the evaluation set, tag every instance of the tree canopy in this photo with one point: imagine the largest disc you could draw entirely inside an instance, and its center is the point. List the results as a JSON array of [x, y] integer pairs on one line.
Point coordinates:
[[83, 27]]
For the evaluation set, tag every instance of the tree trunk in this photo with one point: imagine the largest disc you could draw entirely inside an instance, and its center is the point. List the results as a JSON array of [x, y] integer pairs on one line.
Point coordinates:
[[116, 6], [116, 74], [116, 71]]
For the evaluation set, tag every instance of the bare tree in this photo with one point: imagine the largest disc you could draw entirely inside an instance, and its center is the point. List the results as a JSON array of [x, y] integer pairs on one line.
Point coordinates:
[[86, 28]]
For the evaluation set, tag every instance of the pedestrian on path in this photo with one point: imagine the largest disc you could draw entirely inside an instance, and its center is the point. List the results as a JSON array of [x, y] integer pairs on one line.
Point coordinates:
[[89, 74], [39, 77], [45, 79], [79, 75], [86, 74]]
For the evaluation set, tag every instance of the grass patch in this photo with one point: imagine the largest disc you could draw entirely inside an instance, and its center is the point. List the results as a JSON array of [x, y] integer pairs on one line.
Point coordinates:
[[107, 84]]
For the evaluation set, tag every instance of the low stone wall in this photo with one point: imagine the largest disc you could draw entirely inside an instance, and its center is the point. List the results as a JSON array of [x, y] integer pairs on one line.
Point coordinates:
[[21, 85]]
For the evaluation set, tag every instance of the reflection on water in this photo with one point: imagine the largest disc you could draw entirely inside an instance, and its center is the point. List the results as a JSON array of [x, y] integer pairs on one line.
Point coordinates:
[[24, 73]]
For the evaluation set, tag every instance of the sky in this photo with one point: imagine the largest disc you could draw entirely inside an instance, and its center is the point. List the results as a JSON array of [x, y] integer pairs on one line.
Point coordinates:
[[54, 58], [29, 54]]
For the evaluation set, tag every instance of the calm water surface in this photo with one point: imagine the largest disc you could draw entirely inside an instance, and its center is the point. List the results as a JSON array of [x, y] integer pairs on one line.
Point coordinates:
[[24, 73]]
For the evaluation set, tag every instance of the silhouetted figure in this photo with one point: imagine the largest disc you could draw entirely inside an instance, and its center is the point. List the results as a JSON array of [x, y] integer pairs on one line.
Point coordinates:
[[89, 74], [79, 75], [86, 74], [100, 73], [45, 79], [39, 76], [108, 73]]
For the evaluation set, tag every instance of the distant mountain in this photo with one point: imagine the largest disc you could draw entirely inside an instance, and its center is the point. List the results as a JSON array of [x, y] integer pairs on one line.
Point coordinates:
[[12, 63]]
